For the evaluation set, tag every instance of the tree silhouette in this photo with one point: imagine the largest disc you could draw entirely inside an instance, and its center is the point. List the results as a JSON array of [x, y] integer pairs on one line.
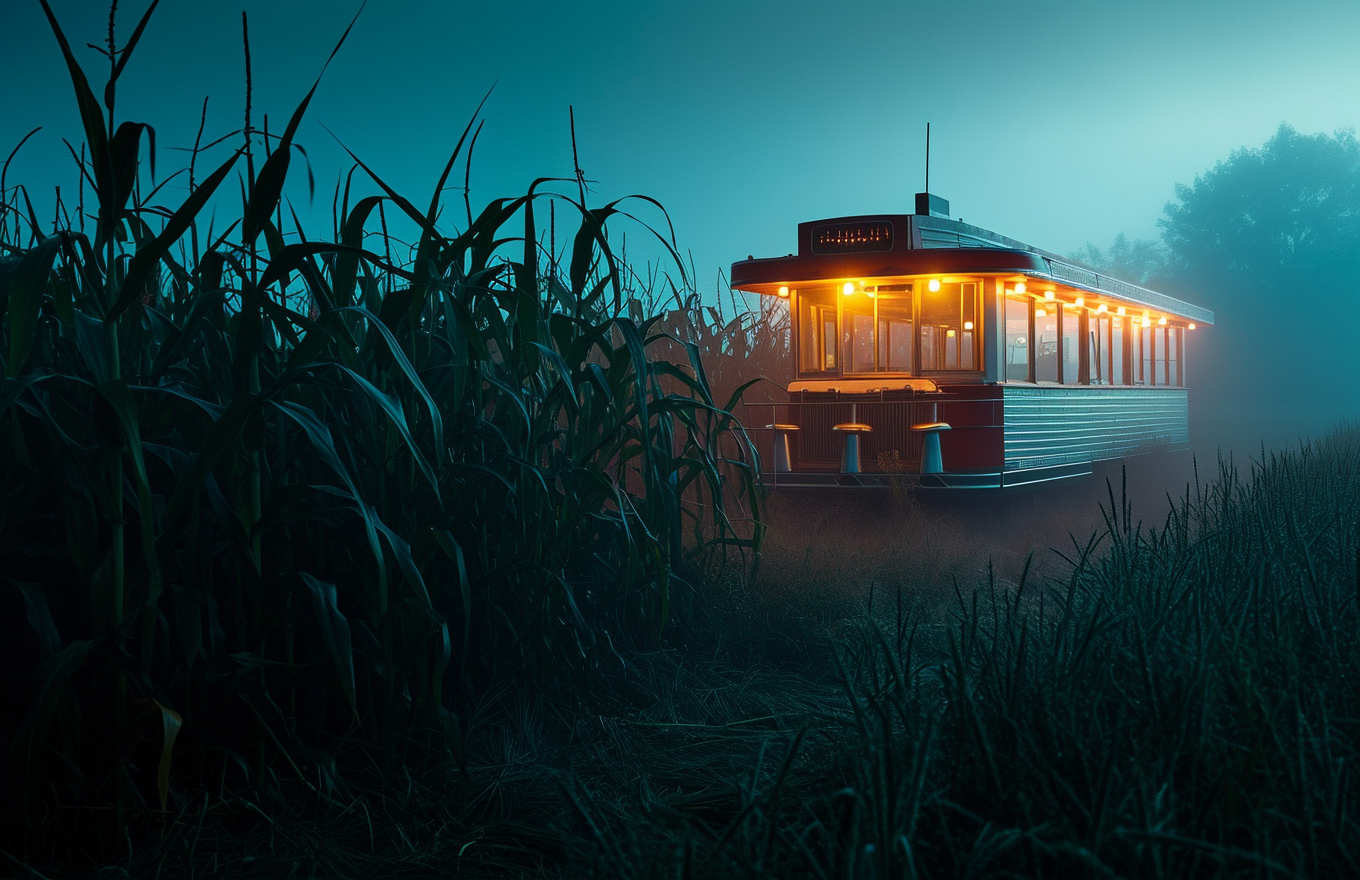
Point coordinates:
[[1272, 217], [1270, 239], [1139, 260]]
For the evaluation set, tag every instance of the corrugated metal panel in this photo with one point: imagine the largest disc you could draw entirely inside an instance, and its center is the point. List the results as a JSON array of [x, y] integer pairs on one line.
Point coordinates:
[[1060, 424], [935, 237]]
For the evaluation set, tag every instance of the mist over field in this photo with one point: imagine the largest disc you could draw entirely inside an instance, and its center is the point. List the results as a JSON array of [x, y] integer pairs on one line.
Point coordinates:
[[378, 497], [1269, 238]]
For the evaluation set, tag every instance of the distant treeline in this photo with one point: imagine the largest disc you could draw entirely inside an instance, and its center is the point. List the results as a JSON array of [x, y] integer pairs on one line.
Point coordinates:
[[1270, 240]]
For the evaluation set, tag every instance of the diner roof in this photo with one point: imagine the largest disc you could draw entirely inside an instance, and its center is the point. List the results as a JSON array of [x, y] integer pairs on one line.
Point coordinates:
[[918, 245]]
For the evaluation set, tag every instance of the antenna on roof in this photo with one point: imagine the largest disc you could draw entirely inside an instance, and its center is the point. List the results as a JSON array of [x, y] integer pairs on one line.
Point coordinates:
[[927, 204]]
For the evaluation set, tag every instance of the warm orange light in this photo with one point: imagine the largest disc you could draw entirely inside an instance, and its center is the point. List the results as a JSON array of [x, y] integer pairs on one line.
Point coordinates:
[[1048, 295], [784, 292], [949, 334], [1120, 311], [1079, 302], [1161, 322], [1147, 322], [1020, 287], [1040, 313], [1102, 309], [1192, 326], [849, 288], [934, 285], [968, 325]]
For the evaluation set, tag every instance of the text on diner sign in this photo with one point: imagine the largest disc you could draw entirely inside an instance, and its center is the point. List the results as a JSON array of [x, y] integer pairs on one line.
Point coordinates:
[[845, 238]]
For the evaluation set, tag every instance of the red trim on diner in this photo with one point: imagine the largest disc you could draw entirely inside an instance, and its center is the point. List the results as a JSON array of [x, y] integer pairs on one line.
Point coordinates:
[[767, 275]]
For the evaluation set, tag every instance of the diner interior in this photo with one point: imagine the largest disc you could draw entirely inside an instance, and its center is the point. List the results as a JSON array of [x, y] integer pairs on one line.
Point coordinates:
[[932, 327]]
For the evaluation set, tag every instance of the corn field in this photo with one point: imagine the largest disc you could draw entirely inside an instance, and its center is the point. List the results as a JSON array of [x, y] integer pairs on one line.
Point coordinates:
[[262, 493]]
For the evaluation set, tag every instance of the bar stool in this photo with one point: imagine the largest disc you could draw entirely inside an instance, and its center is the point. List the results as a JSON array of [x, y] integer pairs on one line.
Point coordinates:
[[931, 460], [850, 455], [782, 459]]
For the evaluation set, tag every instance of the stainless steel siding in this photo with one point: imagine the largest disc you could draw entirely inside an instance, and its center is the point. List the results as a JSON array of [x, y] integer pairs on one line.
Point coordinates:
[[1057, 425]]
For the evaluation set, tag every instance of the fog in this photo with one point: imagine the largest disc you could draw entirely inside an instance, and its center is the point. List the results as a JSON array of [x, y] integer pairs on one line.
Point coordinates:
[[845, 542], [1269, 239]]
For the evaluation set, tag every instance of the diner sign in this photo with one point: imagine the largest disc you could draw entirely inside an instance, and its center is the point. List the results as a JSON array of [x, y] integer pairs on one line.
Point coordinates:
[[849, 238]]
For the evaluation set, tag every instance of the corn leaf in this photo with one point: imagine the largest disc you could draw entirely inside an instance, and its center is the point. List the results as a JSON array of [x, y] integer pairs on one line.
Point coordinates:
[[335, 633], [25, 300]]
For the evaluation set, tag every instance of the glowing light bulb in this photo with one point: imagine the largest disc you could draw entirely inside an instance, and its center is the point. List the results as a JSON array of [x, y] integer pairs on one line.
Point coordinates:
[[1020, 287], [1120, 311], [1079, 302], [949, 334], [934, 285], [849, 288], [968, 325], [784, 292], [1192, 326], [1147, 322], [1102, 309], [1048, 295], [1161, 322], [1040, 313]]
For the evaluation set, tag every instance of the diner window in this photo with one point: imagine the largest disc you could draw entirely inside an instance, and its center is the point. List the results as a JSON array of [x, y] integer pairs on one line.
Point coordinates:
[[1070, 350], [873, 332], [1147, 373], [816, 332], [894, 330], [857, 343], [1045, 342], [948, 322], [1173, 353], [1158, 356], [1118, 351], [1017, 338], [1098, 349]]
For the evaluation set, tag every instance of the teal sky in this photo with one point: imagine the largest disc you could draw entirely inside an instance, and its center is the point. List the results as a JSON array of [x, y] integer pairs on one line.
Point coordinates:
[[1057, 123]]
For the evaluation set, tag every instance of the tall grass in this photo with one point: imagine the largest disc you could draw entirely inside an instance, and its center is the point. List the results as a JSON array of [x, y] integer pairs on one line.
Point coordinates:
[[263, 495], [1180, 704]]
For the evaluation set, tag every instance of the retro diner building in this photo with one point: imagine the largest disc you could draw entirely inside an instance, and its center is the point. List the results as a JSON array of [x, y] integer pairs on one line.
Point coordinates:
[[927, 347]]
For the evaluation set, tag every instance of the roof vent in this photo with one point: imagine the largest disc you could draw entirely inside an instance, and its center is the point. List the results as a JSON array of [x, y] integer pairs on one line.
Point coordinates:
[[930, 205]]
